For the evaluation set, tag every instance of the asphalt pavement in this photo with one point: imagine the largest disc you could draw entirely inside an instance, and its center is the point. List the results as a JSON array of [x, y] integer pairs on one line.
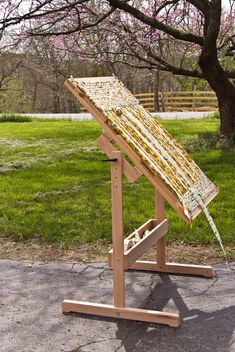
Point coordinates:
[[31, 318]]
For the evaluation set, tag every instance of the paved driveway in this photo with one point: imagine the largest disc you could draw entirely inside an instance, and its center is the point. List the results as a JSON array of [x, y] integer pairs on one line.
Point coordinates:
[[31, 319]]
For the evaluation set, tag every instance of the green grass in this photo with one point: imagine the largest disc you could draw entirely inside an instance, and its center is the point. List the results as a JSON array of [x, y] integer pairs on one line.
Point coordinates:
[[54, 186]]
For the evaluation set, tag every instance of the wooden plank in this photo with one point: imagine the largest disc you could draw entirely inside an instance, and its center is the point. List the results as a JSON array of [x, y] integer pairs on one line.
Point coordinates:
[[148, 107], [160, 216], [179, 104], [146, 99], [157, 230], [95, 79], [105, 310], [189, 106], [145, 243], [174, 268], [144, 94], [147, 104], [117, 230], [169, 108], [131, 172], [180, 98], [154, 179], [148, 225], [207, 109], [192, 92]]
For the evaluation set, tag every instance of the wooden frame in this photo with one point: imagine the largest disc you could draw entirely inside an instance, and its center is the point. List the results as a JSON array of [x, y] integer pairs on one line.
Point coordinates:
[[118, 259], [157, 231]]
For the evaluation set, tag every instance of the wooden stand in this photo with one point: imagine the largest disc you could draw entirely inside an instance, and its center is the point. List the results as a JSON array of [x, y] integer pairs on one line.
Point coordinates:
[[121, 261]]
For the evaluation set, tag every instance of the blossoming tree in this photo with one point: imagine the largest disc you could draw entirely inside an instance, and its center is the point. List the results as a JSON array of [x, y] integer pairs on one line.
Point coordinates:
[[193, 38]]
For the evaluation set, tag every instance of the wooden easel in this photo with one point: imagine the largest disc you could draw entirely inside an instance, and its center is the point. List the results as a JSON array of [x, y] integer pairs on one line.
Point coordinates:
[[158, 227]]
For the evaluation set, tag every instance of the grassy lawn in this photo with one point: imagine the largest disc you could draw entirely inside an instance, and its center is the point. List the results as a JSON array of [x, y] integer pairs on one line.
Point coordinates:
[[54, 187]]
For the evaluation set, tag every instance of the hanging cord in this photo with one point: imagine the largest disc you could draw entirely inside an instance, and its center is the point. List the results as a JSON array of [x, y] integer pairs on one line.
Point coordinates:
[[199, 200]]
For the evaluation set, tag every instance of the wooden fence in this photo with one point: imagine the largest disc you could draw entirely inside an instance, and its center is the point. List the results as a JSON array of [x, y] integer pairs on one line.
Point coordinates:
[[177, 101], [148, 101]]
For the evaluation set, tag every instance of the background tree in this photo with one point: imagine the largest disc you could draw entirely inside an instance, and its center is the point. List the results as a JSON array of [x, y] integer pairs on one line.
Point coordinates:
[[197, 24], [185, 37]]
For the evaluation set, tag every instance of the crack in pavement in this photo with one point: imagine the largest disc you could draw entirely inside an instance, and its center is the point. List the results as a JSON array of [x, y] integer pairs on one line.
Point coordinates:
[[215, 280], [71, 270], [78, 349], [102, 273], [88, 266]]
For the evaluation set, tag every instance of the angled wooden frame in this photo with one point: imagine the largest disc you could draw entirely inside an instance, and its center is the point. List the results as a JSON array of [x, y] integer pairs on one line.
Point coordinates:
[[154, 179], [118, 259]]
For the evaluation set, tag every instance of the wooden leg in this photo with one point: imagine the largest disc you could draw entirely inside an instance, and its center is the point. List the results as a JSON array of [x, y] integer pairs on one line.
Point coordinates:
[[160, 216], [174, 268], [161, 253], [117, 230], [105, 310]]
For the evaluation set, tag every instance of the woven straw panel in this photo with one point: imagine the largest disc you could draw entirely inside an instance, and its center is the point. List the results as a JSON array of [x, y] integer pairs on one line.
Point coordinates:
[[150, 140]]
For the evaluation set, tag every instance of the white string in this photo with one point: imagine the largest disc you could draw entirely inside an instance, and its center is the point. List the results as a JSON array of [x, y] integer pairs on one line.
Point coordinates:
[[199, 200], [163, 174], [155, 143], [170, 141], [153, 163]]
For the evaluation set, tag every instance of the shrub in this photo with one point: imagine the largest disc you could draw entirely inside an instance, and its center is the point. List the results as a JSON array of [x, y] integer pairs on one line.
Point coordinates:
[[215, 115], [15, 118]]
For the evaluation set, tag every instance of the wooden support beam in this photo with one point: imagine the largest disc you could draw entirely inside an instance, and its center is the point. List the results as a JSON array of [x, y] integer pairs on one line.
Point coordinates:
[[174, 268], [105, 310], [160, 216], [117, 229], [105, 143]]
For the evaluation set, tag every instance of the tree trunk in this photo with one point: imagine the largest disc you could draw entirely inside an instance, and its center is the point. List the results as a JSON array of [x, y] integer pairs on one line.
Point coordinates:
[[224, 89], [227, 112], [35, 90]]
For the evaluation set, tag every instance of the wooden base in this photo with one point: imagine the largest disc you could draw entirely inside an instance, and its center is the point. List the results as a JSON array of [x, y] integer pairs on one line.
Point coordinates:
[[174, 268], [105, 310]]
